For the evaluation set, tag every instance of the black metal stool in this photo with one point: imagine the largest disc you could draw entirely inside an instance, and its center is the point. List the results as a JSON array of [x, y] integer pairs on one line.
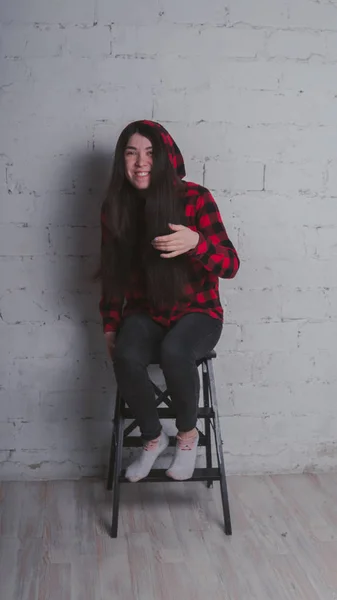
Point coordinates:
[[209, 412]]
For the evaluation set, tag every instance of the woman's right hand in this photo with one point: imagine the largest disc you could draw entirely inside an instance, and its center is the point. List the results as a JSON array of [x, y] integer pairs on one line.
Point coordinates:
[[110, 337]]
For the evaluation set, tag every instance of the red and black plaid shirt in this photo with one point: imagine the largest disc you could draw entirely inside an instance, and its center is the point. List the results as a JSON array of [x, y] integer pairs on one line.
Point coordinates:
[[213, 257]]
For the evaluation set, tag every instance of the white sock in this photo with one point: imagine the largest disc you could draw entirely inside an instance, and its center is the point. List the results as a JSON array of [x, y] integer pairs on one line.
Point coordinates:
[[142, 466], [183, 464]]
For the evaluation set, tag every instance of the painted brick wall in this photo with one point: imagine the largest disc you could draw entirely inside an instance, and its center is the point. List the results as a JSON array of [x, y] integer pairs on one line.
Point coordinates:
[[248, 88]]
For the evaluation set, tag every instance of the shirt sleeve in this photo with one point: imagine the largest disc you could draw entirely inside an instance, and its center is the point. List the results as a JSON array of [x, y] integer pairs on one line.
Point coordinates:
[[214, 250], [110, 310]]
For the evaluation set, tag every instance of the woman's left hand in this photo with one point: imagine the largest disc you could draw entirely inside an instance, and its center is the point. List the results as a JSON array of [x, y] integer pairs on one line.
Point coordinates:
[[181, 241]]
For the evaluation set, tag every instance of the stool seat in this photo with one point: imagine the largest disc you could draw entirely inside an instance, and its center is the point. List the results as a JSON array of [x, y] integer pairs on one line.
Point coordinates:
[[209, 356]]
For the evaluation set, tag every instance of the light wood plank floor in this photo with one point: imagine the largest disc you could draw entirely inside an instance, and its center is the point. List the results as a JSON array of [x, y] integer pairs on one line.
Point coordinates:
[[54, 545]]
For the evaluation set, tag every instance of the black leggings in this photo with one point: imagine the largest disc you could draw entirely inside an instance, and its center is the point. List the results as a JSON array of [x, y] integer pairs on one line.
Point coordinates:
[[140, 342]]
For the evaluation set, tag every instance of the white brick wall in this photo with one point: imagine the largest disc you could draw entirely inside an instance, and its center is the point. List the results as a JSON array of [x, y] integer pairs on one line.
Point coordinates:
[[249, 91]]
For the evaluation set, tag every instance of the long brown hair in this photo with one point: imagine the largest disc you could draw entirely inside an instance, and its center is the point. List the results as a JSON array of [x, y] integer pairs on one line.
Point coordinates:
[[133, 219]]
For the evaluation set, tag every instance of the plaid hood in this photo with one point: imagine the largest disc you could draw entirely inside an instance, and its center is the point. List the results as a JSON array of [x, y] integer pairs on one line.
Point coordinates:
[[174, 153]]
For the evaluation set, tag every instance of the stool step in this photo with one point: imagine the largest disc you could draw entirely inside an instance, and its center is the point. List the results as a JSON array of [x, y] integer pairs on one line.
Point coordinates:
[[168, 413], [135, 441], [158, 475]]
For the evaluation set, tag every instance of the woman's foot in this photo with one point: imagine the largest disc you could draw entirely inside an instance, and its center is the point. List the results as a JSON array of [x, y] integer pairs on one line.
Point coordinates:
[[142, 466], [183, 464]]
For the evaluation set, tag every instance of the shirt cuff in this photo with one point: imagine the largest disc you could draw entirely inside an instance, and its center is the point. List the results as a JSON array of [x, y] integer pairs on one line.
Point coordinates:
[[109, 327], [201, 246]]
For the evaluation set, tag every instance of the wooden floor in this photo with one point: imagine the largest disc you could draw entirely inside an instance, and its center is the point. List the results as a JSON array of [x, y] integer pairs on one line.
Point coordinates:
[[54, 545]]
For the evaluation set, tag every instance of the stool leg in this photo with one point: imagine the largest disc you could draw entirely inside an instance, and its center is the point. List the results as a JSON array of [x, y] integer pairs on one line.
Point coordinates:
[[119, 433], [218, 443], [112, 447], [205, 385], [111, 460]]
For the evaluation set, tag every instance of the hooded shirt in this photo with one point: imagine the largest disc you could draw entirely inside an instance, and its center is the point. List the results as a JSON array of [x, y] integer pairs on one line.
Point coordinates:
[[214, 256]]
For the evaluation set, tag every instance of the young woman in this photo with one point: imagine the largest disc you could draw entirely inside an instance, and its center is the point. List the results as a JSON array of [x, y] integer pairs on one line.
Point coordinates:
[[164, 247]]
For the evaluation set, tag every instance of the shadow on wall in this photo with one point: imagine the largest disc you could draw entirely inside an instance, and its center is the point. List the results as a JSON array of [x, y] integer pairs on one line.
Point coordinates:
[[86, 406]]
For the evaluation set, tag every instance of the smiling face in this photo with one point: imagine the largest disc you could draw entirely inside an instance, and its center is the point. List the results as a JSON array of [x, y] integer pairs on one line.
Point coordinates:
[[138, 161]]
